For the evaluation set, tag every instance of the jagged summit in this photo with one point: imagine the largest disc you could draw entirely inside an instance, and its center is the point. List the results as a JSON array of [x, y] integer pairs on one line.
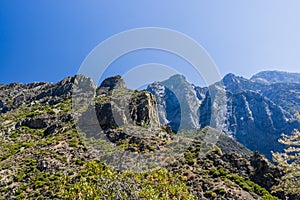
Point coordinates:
[[111, 83], [176, 81], [256, 113], [230, 77], [177, 102], [177, 77], [238, 83]]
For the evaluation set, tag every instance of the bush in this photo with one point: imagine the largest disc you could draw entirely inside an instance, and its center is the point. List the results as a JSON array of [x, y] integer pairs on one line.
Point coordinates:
[[251, 186], [189, 158], [220, 191]]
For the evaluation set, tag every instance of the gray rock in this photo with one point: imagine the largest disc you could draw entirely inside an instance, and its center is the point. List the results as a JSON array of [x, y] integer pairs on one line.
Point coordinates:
[[109, 84], [37, 123], [253, 113], [178, 103]]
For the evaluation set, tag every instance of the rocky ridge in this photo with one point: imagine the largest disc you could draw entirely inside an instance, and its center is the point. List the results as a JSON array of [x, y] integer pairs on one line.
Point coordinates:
[[270, 77], [255, 114]]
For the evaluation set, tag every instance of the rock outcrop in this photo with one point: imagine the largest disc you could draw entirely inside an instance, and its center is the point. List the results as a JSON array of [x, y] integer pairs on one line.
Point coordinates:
[[109, 84], [116, 106], [16, 94], [177, 103]]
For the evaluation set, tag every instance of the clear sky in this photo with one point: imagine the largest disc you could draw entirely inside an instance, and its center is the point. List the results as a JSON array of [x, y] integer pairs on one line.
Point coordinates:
[[48, 40]]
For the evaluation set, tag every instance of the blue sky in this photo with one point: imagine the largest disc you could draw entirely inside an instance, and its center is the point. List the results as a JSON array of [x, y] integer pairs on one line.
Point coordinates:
[[48, 40]]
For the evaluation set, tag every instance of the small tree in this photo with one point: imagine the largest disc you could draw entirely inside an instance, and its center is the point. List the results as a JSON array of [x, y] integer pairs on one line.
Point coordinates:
[[289, 162]]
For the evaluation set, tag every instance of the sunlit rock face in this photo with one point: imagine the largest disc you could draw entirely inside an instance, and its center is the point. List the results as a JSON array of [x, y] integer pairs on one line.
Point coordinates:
[[256, 113], [116, 105]]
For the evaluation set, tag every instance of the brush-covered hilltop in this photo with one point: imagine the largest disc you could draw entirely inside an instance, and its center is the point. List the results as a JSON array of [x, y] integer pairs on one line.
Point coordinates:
[[75, 140]]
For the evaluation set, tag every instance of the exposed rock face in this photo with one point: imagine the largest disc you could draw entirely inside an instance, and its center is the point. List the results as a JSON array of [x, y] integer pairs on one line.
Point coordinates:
[[177, 103], [254, 118], [256, 122], [109, 84], [285, 95], [143, 109], [37, 123], [118, 106], [16, 94], [255, 113], [114, 106], [167, 104]]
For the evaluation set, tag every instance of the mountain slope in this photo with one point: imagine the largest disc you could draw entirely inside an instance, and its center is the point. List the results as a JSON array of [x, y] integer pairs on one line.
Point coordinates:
[[254, 113], [44, 154]]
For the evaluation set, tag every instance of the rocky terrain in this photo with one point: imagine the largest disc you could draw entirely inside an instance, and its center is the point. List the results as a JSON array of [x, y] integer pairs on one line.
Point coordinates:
[[74, 140], [255, 113]]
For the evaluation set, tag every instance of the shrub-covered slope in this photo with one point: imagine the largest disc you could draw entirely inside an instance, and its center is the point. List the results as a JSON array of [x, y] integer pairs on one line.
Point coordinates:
[[44, 155]]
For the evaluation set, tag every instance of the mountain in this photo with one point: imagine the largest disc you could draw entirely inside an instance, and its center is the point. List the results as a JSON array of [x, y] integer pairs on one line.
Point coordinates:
[[285, 95], [253, 113], [177, 103], [270, 77], [74, 140]]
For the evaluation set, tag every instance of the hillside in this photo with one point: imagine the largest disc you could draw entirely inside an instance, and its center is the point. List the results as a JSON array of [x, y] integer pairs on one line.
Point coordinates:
[[49, 150]]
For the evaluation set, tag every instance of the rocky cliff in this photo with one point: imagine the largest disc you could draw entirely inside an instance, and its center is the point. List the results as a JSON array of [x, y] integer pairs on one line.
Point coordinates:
[[254, 113], [177, 103], [115, 105]]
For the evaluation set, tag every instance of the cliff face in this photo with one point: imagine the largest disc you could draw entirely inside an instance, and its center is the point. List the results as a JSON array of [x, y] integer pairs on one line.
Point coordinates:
[[253, 113], [177, 103], [118, 106], [256, 118], [256, 122]]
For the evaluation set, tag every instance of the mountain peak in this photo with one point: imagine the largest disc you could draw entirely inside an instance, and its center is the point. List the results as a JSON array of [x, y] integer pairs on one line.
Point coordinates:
[[229, 76], [111, 83], [176, 81], [231, 79], [270, 77], [177, 77]]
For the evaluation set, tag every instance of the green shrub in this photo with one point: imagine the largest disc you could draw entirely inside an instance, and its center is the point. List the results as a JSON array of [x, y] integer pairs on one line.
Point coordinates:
[[73, 143], [151, 148], [220, 191], [189, 158], [251, 186]]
